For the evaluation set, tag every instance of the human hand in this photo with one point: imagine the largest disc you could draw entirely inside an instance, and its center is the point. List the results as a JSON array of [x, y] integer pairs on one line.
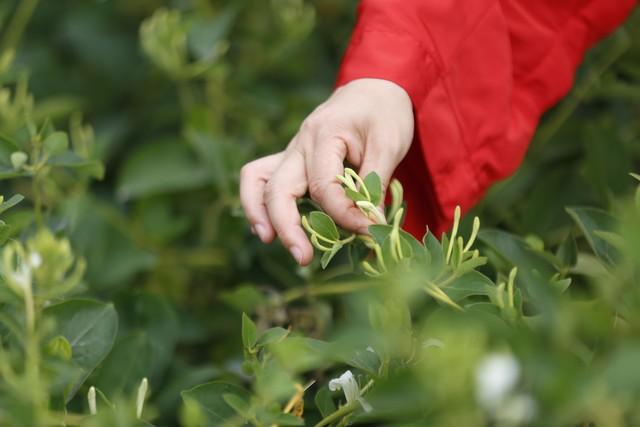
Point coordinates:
[[368, 122]]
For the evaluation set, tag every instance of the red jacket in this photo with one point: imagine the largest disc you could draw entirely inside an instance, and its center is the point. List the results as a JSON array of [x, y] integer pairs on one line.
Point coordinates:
[[480, 73]]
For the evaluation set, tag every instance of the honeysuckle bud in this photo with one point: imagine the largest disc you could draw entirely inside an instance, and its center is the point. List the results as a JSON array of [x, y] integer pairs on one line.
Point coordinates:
[[348, 384], [18, 159], [91, 398], [142, 393], [371, 211]]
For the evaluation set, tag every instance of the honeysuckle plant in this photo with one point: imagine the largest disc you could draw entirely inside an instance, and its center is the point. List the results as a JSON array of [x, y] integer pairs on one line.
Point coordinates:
[[443, 262]]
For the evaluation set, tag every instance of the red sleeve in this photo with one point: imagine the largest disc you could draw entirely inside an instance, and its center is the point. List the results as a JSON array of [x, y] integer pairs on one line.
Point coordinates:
[[480, 74]]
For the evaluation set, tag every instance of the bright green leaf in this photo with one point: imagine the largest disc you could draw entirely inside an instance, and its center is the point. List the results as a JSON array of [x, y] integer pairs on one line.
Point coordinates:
[[324, 225], [272, 335], [374, 186], [249, 332]]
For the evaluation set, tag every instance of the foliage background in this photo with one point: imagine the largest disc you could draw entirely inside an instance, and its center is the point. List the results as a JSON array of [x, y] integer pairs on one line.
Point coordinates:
[[162, 232]]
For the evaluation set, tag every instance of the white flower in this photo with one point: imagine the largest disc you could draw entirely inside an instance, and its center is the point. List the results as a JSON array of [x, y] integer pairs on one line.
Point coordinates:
[[35, 260], [496, 376], [347, 383]]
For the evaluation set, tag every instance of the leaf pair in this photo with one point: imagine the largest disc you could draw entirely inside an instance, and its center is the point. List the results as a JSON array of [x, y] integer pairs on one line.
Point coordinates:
[[324, 235]]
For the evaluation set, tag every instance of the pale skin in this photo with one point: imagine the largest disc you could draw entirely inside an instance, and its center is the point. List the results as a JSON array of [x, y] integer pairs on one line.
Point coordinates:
[[367, 122]]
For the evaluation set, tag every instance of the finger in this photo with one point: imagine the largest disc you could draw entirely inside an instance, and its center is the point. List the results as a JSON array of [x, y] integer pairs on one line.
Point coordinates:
[[253, 178], [287, 184], [323, 166], [384, 166], [382, 156]]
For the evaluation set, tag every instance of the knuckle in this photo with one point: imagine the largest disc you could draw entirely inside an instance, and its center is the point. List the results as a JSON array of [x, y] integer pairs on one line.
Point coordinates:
[[310, 124], [317, 189], [246, 171], [270, 192]]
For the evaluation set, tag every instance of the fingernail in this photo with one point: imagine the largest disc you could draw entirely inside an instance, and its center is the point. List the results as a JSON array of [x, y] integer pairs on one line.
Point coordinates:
[[260, 230], [253, 230], [297, 254]]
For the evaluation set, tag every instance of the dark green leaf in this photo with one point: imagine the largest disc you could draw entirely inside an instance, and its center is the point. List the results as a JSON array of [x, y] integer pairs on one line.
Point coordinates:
[[591, 220], [209, 397], [90, 327], [473, 283], [567, 252], [328, 256], [161, 167], [324, 402], [238, 404]]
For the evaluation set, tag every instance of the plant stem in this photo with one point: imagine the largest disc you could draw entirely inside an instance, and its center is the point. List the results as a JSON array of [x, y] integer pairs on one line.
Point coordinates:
[[326, 289], [37, 199], [345, 410], [18, 23], [32, 364]]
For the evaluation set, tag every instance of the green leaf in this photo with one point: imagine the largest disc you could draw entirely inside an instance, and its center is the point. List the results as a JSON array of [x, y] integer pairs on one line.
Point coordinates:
[[356, 197], [210, 398], [436, 253], [69, 159], [56, 143], [621, 371], [249, 333], [205, 34], [324, 402], [534, 269], [90, 327], [567, 252], [301, 354], [591, 220], [374, 186], [238, 404], [272, 335], [473, 283], [379, 232], [160, 167], [244, 298], [328, 256], [17, 198], [280, 419], [365, 360], [5, 232], [324, 225], [130, 360]]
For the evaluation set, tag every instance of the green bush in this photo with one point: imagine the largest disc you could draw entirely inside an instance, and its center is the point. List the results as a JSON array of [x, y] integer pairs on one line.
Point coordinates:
[[132, 293]]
